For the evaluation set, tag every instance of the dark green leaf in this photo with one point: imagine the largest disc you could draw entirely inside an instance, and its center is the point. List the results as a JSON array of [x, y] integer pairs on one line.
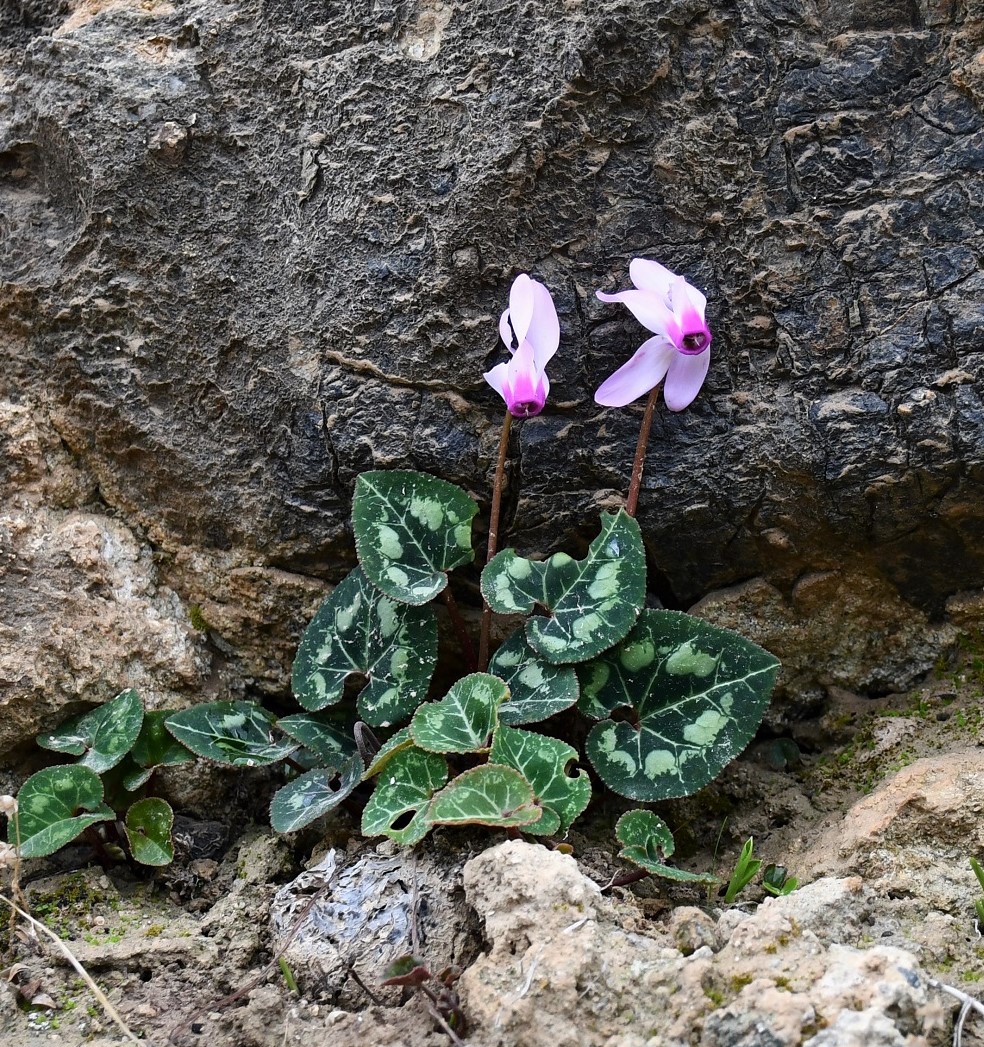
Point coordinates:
[[648, 842], [400, 741], [592, 602], [360, 632], [410, 529], [406, 785], [240, 734], [54, 806], [463, 720], [491, 794], [319, 735], [148, 831], [101, 737], [155, 747], [691, 695], [313, 794], [544, 762], [537, 689]]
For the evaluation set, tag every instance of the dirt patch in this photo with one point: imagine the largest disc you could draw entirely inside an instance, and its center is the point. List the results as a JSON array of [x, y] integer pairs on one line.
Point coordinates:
[[887, 792]]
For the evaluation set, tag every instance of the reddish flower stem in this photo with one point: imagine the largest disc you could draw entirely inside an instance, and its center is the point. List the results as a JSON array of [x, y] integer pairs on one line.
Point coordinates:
[[500, 469], [639, 463]]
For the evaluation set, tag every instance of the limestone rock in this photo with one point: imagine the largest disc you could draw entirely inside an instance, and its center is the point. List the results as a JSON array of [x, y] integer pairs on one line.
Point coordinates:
[[252, 248], [577, 976]]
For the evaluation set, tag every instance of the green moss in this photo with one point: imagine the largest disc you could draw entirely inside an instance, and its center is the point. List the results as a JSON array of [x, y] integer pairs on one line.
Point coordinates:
[[739, 981], [716, 997], [154, 931], [198, 620]]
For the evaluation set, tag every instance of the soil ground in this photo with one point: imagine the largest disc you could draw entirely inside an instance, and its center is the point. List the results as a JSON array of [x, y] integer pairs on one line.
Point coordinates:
[[168, 946]]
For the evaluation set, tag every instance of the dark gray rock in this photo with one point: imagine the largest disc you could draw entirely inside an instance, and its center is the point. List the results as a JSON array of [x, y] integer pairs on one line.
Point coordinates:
[[250, 249]]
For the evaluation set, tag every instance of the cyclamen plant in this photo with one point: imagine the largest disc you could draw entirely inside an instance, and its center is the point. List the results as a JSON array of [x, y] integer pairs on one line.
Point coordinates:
[[672, 698]]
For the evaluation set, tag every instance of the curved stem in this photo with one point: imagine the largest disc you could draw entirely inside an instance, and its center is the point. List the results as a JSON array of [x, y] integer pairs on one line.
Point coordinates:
[[639, 462], [500, 469]]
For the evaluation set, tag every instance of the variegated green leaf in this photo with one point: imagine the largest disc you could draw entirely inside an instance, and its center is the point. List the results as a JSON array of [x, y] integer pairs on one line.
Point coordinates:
[[155, 747], [241, 734], [491, 794], [410, 529], [592, 602], [319, 735], [399, 741], [463, 720], [359, 632], [691, 698], [648, 842], [56, 805], [544, 763], [405, 787], [314, 793], [101, 737], [537, 689], [148, 831]]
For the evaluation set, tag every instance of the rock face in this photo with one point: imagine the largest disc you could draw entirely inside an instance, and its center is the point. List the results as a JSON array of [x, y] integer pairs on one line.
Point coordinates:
[[253, 248]]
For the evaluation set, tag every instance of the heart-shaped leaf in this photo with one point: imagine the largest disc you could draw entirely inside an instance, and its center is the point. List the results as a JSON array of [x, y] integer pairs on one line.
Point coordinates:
[[543, 762], [648, 842], [101, 737], [537, 689], [240, 734], [463, 720], [155, 747], [592, 602], [148, 831], [360, 632], [691, 698], [409, 781], [488, 795], [319, 735], [54, 806], [410, 529], [314, 793]]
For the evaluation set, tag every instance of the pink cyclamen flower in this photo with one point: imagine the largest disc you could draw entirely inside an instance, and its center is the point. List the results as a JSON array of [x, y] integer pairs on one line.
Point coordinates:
[[679, 352], [531, 332]]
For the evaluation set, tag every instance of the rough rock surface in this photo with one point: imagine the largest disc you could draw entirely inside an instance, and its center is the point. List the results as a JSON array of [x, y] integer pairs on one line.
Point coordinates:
[[252, 248], [565, 968]]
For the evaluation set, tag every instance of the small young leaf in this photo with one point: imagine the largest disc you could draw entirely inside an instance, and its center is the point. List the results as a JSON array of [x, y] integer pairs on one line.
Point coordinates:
[[491, 794], [148, 831], [410, 529], [54, 806], [648, 842], [411, 778], [154, 747], [360, 632], [592, 602], [314, 793], [101, 737], [537, 689], [745, 869], [240, 734], [318, 734], [694, 694], [543, 762], [463, 720]]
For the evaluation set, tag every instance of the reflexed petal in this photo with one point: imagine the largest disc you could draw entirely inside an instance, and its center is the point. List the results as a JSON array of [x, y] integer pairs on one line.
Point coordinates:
[[497, 378], [684, 295], [649, 310], [651, 276], [521, 306], [506, 332], [544, 331], [635, 378], [684, 378]]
